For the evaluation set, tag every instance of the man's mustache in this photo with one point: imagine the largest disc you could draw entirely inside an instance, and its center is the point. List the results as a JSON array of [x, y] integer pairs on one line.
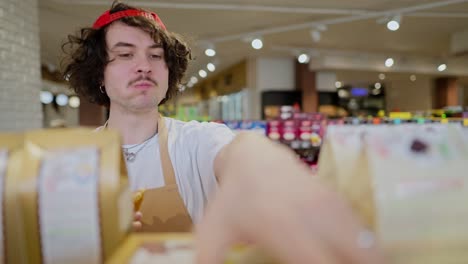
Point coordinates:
[[142, 78]]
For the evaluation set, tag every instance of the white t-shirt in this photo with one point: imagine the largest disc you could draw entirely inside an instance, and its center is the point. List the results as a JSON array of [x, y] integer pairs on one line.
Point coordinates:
[[193, 146]]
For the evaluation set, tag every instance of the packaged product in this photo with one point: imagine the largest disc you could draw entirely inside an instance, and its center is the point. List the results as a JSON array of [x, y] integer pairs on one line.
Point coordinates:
[[74, 194], [419, 174], [12, 238], [409, 182], [343, 164]]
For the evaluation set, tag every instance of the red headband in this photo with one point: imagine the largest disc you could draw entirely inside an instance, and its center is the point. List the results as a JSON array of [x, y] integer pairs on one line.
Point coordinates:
[[107, 18]]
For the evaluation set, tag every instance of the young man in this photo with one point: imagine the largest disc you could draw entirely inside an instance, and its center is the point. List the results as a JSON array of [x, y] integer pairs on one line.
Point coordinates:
[[129, 62]]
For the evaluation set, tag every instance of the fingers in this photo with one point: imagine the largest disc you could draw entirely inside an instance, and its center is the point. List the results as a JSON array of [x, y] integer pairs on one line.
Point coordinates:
[[137, 216], [137, 225], [354, 243], [344, 233], [213, 237], [289, 240], [282, 236]]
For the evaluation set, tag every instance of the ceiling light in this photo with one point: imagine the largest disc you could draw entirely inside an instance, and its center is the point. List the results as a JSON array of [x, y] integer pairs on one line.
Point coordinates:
[[257, 43], [382, 76], [315, 35], [394, 23], [412, 78], [389, 62], [210, 52], [194, 80], [303, 58], [442, 67], [61, 99], [182, 88], [338, 84], [211, 67], [46, 97], [316, 32], [321, 27], [190, 84], [202, 73], [378, 85], [74, 102]]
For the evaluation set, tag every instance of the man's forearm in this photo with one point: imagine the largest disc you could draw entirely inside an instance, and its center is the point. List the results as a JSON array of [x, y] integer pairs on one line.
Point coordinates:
[[252, 155]]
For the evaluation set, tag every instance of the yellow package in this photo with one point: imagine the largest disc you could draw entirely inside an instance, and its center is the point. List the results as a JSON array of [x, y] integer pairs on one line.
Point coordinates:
[[75, 197], [420, 178], [342, 165], [177, 248], [410, 180], [11, 234]]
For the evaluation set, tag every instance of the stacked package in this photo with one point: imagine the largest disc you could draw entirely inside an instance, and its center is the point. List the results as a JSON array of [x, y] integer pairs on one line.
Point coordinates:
[[67, 200], [408, 183], [11, 229], [73, 203]]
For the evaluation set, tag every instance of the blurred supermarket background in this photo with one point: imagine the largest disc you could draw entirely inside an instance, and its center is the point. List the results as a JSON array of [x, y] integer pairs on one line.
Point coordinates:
[[283, 69]]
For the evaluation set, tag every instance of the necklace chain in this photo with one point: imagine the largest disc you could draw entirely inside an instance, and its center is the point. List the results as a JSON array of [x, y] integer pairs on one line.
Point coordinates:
[[131, 156]]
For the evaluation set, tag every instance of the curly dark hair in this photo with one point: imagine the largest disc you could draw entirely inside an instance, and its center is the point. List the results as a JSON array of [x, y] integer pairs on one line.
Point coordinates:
[[86, 56]]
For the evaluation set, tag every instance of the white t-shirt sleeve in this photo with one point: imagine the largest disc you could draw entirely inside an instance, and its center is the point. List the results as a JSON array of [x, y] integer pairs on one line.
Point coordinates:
[[211, 138], [195, 147]]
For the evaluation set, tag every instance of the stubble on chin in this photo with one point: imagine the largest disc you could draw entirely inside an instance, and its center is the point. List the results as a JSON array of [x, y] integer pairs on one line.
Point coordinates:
[[138, 106]]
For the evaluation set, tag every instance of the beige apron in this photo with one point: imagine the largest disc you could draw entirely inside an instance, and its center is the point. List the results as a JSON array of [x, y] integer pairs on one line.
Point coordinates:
[[163, 209]]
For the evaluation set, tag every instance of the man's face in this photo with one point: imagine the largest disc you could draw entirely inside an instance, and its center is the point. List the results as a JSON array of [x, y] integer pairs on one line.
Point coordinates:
[[136, 79]]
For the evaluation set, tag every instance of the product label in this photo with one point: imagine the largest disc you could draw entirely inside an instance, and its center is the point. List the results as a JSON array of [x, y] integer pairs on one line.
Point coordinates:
[[68, 206], [3, 166]]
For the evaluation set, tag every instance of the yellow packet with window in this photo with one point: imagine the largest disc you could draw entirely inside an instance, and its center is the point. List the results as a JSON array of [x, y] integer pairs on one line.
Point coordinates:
[[75, 196], [11, 234]]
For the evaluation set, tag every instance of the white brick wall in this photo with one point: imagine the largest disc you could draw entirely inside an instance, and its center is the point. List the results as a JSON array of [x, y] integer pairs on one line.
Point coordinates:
[[20, 77]]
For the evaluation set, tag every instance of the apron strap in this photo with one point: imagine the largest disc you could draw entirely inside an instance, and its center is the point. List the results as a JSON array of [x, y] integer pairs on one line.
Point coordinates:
[[168, 170]]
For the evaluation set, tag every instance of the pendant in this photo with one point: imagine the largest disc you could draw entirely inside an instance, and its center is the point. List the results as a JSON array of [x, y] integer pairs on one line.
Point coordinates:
[[129, 156]]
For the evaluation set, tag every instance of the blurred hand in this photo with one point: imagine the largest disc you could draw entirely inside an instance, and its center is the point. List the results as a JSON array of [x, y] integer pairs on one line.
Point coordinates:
[[137, 221], [267, 196]]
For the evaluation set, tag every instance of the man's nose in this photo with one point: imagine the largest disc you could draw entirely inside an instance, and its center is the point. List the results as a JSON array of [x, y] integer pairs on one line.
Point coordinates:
[[143, 65]]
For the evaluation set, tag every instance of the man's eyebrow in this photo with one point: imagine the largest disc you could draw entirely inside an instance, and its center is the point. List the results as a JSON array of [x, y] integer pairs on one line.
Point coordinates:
[[129, 45], [155, 46], [123, 44]]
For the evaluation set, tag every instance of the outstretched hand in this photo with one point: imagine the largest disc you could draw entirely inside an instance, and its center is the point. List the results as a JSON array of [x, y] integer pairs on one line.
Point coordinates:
[[267, 196]]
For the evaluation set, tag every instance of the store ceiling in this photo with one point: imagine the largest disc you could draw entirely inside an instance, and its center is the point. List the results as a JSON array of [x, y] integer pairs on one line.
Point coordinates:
[[348, 27]]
